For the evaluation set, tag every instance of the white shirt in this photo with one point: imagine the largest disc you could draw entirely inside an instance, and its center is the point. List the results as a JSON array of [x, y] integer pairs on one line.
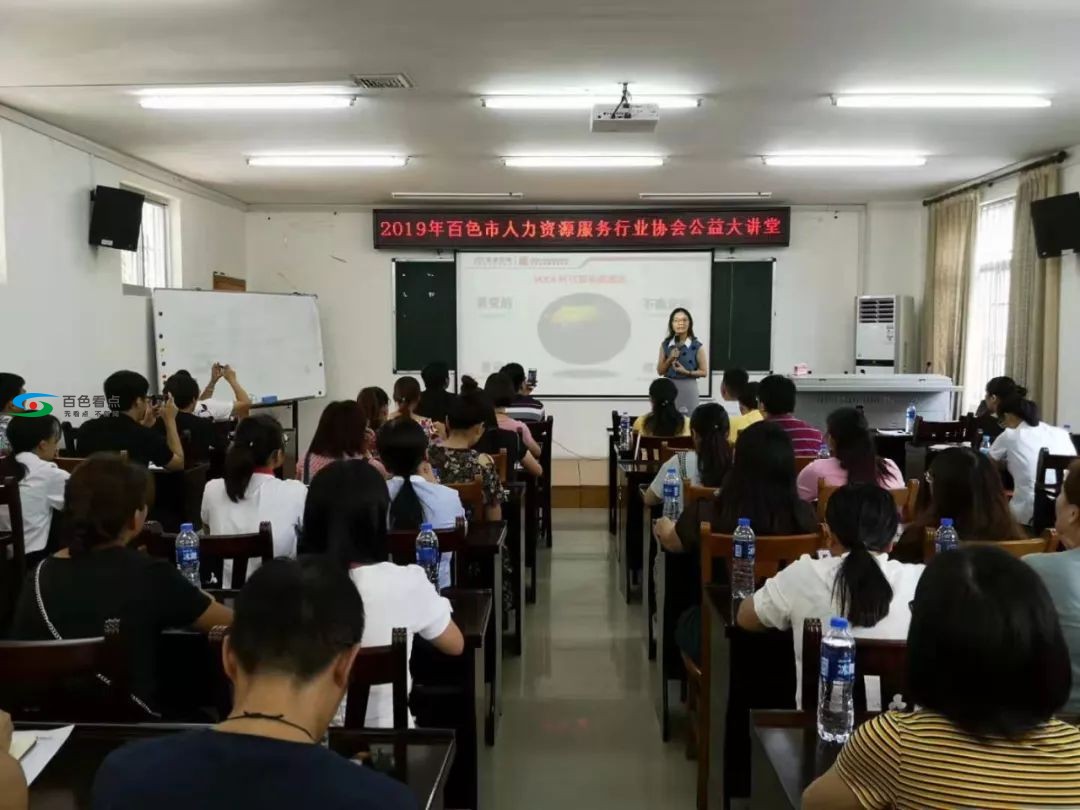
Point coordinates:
[[396, 596], [692, 472], [40, 492], [219, 410], [1019, 448], [442, 507], [266, 498], [804, 590]]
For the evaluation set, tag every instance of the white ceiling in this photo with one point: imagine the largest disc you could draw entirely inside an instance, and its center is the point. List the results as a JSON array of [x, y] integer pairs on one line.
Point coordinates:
[[764, 66]]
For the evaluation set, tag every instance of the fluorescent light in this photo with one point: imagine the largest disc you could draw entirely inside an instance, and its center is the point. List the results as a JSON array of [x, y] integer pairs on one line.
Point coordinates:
[[945, 101], [258, 97], [704, 195], [457, 195], [581, 101], [328, 161], [867, 159], [584, 162]]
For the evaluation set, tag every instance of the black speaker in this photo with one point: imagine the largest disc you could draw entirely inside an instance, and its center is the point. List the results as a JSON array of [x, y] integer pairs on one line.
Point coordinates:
[[115, 218], [1057, 224]]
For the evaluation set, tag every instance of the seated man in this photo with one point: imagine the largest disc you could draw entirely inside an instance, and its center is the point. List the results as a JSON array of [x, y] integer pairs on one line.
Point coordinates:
[[525, 407], [128, 428], [435, 401], [202, 437], [221, 410], [294, 638], [777, 397]]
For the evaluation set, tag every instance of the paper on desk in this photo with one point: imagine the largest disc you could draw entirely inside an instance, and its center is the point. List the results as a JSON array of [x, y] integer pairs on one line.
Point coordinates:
[[21, 742], [48, 742]]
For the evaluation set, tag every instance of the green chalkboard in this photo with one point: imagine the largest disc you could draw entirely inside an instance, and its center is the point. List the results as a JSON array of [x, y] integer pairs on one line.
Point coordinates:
[[742, 315], [425, 314]]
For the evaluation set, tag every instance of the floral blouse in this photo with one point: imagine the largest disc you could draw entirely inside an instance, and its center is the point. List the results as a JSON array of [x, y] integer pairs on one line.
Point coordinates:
[[463, 466]]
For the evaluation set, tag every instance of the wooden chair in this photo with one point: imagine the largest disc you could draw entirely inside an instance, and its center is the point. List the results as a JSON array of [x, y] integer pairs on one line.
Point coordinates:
[[1046, 492], [12, 547], [963, 431], [668, 451], [543, 432], [501, 464], [214, 550], [876, 657], [648, 447], [472, 498], [402, 542], [375, 666], [692, 494], [905, 499], [1018, 548], [70, 463]]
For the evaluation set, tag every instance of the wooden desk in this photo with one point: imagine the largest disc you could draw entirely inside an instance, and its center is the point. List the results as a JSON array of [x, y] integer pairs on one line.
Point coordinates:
[[628, 539], [422, 759], [517, 556], [787, 757]]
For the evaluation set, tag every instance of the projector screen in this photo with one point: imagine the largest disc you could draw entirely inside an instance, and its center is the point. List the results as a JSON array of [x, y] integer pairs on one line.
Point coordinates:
[[591, 324]]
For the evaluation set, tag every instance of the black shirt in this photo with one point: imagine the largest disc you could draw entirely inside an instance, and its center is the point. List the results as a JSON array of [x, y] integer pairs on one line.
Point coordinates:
[[201, 436], [214, 770], [118, 432], [434, 404], [80, 593]]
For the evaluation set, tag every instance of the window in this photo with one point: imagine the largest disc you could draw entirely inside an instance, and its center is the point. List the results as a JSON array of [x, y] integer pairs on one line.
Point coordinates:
[[149, 265], [988, 309]]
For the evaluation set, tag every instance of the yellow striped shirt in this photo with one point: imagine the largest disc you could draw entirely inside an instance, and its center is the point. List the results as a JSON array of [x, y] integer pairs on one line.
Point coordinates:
[[921, 760]]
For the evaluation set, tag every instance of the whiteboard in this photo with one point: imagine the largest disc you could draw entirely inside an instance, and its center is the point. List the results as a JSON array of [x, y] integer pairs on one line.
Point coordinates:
[[273, 341]]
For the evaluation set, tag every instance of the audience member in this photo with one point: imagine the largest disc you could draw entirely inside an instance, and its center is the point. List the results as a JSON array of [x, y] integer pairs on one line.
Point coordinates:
[[221, 409], [987, 670], [345, 519], [853, 458], [500, 390], [747, 396], [963, 485], [435, 401], [128, 426], [34, 442], [857, 581], [663, 418], [406, 398], [341, 434], [1060, 572], [13, 791], [456, 462], [289, 655], [375, 404], [1017, 449], [99, 577], [525, 407], [777, 396], [251, 493], [11, 386], [732, 383], [986, 417], [708, 463], [498, 437], [201, 439]]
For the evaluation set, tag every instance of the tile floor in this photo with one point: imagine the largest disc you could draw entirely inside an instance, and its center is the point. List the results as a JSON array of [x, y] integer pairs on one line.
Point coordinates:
[[578, 727]]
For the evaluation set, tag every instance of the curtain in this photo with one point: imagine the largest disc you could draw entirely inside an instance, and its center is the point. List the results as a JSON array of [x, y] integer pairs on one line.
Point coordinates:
[[950, 248], [1031, 348]]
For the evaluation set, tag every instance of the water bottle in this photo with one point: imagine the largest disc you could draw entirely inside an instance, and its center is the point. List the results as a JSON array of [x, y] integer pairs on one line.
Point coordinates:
[[836, 703], [909, 418], [672, 494], [624, 431], [187, 554], [427, 553], [984, 448], [742, 566], [946, 538], [824, 451]]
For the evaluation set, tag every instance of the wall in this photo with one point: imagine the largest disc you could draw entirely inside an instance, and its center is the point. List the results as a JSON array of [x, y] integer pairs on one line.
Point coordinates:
[[67, 323], [896, 251], [1068, 411]]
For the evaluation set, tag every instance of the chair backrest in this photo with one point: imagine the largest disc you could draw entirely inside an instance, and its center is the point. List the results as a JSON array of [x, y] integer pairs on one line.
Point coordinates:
[[692, 494], [178, 496], [1018, 548], [402, 542], [214, 549], [802, 462], [771, 552], [472, 498], [496, 439], [963, 431], [904, 498], [501, 464], [375, 666], [69, 463], [1046, 492], [887, 660], [12, 547], [543, 431], [648, 447], [70, 434]]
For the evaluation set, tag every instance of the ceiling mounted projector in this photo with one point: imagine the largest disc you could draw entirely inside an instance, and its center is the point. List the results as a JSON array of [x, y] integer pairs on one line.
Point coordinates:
[[625, 118]]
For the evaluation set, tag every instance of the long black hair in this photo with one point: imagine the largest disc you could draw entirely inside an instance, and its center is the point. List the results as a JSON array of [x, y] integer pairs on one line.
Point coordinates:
[[855, 447], [341, 432], [372, 400], [710, 423], [402, 448], [256, 440], [1002, 387], [664, 418], [862, 518], [671, 318], [11, 385], [1015, 404], [345, 514], [25, 434], [100, 498], [406, 395]]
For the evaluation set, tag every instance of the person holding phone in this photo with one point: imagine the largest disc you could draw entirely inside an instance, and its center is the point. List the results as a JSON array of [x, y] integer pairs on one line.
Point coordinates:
[[221, 410], [682, 359], [524, 407]]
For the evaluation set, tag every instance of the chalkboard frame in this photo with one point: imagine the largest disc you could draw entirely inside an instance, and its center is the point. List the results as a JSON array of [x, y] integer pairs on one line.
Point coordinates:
[[754, 340]]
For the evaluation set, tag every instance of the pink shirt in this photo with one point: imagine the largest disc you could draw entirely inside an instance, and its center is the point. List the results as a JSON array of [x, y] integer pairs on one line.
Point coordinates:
[[316, 462], [830, 471]]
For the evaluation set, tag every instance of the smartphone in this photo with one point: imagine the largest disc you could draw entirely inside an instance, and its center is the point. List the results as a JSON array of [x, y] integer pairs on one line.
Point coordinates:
[[532, 376], [156, 399]]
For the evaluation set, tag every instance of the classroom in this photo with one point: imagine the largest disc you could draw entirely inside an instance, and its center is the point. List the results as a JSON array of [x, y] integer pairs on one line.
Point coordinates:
[[482, 405]]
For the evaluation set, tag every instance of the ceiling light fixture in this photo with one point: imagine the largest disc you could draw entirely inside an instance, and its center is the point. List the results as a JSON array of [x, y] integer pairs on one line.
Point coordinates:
[[864, 160], [457, 195], [583, 162], [257, 97], [941, 101], [584, 101], [691, 196], [328, 161]]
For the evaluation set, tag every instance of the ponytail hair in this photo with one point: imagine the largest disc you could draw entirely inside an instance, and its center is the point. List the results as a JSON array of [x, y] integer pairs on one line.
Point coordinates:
[[406, 395], [862, 518], [855, 446], [664, 419], [402, 448], [24, 435], [256, 440], [1017, 404], [100, 498], [710, 425]]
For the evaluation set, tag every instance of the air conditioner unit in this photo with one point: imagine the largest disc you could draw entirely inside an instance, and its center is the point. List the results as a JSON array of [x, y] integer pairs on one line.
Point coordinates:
[[885, 334]]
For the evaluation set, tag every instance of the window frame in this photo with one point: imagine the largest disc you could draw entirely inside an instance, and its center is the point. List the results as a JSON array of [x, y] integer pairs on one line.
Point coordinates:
[[139, 285]]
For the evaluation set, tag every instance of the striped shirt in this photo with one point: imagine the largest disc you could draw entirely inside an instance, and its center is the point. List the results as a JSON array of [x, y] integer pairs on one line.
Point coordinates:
[[806, 439], [921, 760]]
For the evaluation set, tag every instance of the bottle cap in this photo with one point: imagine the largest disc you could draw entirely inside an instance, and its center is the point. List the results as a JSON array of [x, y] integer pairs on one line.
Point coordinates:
[[425, 527], [946, 522], [187, 527], [838, 623], [744, 521]]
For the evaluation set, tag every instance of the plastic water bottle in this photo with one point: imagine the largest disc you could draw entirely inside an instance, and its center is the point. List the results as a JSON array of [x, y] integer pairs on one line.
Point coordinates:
[[742, 566], [946, 538], [427, 553], [909, 418], [187, 554], [824, 451], [624, 431], [672, 494], [836, 700], [984, 448]]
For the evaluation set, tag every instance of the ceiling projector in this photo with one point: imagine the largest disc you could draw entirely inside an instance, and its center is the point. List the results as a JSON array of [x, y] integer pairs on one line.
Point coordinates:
[[625, 118]]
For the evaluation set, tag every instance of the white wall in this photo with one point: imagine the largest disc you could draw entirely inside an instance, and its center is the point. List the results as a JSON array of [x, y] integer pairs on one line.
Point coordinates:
[[1068, 410], [66, 322], [895, 251]]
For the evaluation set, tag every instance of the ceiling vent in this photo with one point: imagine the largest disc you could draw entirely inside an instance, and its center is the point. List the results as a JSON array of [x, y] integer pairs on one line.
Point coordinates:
[[383, 81]]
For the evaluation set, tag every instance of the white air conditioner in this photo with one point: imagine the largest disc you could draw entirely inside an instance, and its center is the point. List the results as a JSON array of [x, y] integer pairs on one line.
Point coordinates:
[[885, 334]]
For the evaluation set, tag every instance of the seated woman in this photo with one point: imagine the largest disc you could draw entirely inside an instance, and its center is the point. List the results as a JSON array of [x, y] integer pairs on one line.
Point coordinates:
[[34, 443], [407, 398], [416, 497], [98, 577], [456, 462], [1060, 572], [341, 434], [987, 669], [708, 463], [375, 404], [963, 485], [11, 386], [663, 418], [250, 493], [500, 389], [857, 581], [498, 437], [997, 389], [345, 518], [1017, 449], [853, 459]]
